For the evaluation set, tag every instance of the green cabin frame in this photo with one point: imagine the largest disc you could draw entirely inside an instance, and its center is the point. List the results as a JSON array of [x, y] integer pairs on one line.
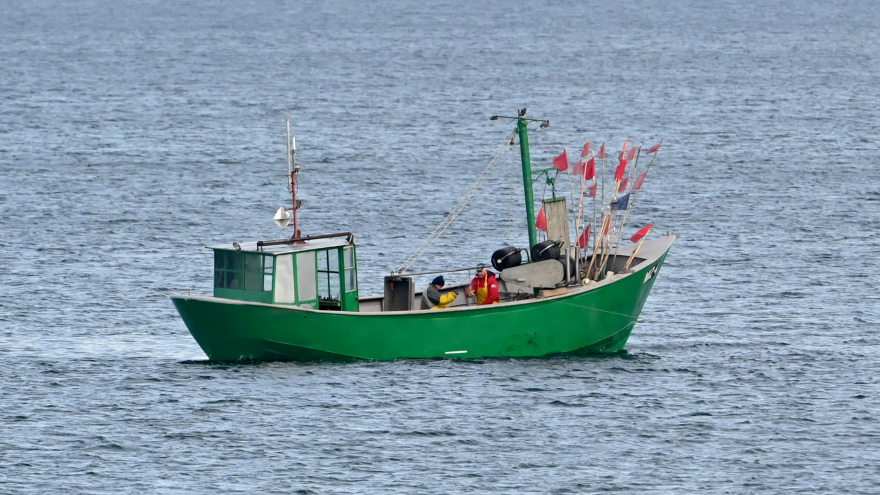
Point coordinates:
[[314, 274]]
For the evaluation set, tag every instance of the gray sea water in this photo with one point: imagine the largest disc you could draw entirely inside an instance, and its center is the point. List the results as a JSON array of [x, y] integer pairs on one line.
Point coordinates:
[[132, 134]]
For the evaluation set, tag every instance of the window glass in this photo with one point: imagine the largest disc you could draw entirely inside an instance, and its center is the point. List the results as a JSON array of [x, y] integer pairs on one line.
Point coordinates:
[[234, 261], [219, 260], [267, 271], [253, 281], [328, 274], [328, 260], [253, 262], [329, 285], [234, 280], [322, 260], [333, 260], [350, 280], [350, 272], [305, 276], [335, 286], [284, 286], [243, 271], [323, 284]]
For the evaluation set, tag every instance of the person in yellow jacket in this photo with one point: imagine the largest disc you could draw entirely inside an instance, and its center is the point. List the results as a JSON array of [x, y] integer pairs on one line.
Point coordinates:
[[431, 298]]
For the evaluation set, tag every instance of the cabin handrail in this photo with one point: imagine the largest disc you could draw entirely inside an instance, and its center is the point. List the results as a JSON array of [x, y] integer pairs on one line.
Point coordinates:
[[293, 240]]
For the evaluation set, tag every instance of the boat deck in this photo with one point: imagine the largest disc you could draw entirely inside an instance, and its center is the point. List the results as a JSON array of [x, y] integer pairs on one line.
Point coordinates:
[[649, 252]]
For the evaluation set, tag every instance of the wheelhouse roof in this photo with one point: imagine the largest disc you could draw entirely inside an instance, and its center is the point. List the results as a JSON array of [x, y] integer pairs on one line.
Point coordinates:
[[275, 249]]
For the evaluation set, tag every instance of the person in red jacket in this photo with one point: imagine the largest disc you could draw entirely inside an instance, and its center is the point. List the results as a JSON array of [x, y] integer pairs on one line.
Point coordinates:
[[484, 287]]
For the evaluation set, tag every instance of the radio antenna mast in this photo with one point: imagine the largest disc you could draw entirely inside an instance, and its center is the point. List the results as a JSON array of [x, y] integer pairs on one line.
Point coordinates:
[[292, 169]]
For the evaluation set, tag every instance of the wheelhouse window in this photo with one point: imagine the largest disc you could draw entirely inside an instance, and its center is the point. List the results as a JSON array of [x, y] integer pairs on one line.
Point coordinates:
[[348, 265], [242, 271], [328, 274], [267, 273], [305, 276]]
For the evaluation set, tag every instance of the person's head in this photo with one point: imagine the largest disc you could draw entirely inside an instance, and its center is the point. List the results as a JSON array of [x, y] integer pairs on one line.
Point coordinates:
[[438, 281], [481, 270]]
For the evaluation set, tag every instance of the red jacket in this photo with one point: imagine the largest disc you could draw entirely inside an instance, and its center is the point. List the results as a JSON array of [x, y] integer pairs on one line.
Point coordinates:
[[492, 288]]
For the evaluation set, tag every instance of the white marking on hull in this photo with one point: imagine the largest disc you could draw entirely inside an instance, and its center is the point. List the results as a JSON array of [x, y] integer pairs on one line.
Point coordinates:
[[456, 352]]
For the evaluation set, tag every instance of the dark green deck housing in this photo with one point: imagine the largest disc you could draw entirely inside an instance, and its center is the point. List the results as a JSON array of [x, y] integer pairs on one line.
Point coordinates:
[[315, 274]]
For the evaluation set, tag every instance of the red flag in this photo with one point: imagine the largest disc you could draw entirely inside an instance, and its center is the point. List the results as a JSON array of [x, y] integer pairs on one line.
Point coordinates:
[[601, 154], [621, 169], [561, 162], [632, 153], [586, 151], [541, 221], [641, 233], [623, 184], [578, 168], [592, 191], [620, 156], [653, 149], [584, 238], [640, 179], [590, 171]]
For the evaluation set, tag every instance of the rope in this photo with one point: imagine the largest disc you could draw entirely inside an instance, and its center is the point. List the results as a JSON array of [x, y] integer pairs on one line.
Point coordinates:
[[458, 208], [510, 182]]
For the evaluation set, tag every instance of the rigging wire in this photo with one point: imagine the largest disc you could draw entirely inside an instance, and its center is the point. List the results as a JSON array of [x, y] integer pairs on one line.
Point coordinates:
[[458, 208], [510, 181]]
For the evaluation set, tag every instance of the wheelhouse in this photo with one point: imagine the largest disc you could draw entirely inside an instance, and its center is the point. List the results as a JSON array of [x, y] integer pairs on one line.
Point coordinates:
[[314, 272]]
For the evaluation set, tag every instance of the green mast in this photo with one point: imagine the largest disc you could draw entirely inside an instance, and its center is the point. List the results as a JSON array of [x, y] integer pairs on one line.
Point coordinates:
[[523, 131], [522, 128]]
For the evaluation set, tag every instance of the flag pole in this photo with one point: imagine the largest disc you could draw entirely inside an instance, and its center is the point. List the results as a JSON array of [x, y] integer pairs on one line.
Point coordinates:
[[603, 181], [593, 258], [577, 252], [635, 193], [596, 246], [595, 198], [632, 256], [605, 245], [616, 240], [649, 167], [607, 219], [596, 182], [643, 235], [581, 202], [577, 227], [628, 206], [598, 236], [577, 223]]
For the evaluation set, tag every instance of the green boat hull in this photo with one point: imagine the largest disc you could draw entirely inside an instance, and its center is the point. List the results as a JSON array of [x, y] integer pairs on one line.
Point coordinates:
[[594, 319]]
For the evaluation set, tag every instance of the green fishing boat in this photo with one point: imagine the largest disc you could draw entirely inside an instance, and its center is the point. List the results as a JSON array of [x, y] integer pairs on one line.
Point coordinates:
[[296, 299]]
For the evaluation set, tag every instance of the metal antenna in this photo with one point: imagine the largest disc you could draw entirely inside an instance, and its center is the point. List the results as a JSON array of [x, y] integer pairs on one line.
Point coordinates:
[[292, 169], [289, 159]]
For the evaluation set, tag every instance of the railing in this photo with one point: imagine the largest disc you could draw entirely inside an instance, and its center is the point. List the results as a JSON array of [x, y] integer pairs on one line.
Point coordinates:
[[433, 272], [294, 240]]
